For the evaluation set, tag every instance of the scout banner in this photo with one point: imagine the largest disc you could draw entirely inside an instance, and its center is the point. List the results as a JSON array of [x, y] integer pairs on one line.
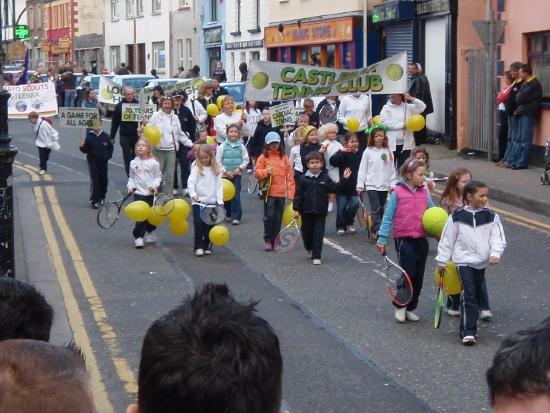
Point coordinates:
[[34, 97], [132, 112], [270, 81], [78, 117], [283, 114]]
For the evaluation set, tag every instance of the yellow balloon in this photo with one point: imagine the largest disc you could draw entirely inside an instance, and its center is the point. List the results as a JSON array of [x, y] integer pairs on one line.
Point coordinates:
[[353, 125], [219, 101], [228, 190], [219, 235], [181, 210], [154, 217], [451, 280], [288, 216], [377, 120], [152, 133], [137, 211], [212, 110], [211, 140], [415, 123], [179, 227]]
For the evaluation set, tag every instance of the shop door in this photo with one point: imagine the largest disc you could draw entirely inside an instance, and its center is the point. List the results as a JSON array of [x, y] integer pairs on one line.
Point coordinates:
[[214, 54], [399, 38], [141, 58], [434, 69]]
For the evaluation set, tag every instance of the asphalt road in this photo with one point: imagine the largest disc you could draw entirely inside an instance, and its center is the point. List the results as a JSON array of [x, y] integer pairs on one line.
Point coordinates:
[[342, 350]]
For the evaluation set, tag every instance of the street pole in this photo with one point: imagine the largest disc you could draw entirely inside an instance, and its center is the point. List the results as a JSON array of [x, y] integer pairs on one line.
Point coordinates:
[[490, 84], [365, 25]]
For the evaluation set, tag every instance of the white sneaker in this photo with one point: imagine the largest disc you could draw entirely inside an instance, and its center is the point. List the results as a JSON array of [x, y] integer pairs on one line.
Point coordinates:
[[341, 232], [150, 238], [316, 261], [469, 340], [400, 314], [351, 229], [452, 313], [41, 172], [174, 191], [409, 315], [138, 243], [199, 252], [309, 254], [207, 252], [330, 206], [235, 222], [485, 315]]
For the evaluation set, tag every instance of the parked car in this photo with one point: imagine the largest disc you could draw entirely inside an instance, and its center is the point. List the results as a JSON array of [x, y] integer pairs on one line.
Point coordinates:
[[137, 82], [236, 90], [89, 81]]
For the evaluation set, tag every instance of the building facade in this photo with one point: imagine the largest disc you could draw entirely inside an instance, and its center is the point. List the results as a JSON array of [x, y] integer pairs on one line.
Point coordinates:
[[37, 30], [59, 19], [185, 35], [14, 49], [212, 42], [244, 33], [89, 41]]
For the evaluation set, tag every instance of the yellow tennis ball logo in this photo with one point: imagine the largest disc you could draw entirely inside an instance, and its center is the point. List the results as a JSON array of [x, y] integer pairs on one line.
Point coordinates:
[[394, 72], [105, 94], [260, 80]]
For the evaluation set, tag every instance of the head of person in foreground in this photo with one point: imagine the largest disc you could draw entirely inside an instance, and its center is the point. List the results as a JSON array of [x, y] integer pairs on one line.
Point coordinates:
[[36, 376], [211, 354], [519, 378]]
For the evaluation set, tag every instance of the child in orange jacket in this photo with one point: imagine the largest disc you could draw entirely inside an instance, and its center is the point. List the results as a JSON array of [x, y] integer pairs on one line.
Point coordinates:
[[274, 165]]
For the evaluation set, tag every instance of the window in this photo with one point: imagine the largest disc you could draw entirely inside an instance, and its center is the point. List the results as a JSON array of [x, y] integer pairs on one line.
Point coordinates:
[[539, 59], [213, 10], [255, 56], [139, 9], [115, 57], [130, 8], [156, 6], [159, 56], [189, 52], [184, 4], [114, 10]]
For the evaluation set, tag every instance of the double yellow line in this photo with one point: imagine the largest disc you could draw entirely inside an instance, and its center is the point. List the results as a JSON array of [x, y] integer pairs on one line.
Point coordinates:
[[76, 320]]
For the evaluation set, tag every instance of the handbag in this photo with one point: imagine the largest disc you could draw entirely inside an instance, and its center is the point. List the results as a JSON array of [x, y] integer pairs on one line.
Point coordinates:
[[503, 94]]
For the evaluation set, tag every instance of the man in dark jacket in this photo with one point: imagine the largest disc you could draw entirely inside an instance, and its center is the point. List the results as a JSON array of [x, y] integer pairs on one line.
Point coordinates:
[[128, 130], [420, 88], [528, 100], [188, 126], [218, 90], [68, 79], [513, 121], [123, 70]]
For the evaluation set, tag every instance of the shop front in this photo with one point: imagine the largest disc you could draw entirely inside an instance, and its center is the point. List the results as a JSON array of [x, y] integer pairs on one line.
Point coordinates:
[[329, 43]]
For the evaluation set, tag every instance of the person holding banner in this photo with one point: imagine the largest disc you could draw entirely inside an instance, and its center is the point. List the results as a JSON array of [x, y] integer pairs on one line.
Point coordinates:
[[128, 130], [228, 117], [356, 106]]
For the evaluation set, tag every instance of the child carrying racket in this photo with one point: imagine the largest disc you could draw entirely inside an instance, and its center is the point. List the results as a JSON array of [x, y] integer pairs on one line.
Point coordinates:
[[311, 202], [472, 238], [329, 146], [144, 179], [205, 187], [273, 165], [408, 202], [233, 157]]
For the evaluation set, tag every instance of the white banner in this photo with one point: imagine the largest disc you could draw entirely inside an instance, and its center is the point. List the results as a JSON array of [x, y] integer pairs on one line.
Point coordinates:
[[273, 81], [109, 91], [34, 97], [131, 112], [78, 117], [283, 114]]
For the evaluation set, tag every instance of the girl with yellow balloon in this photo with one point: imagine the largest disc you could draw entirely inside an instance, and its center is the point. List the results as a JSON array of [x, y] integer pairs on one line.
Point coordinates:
[[144, 180]]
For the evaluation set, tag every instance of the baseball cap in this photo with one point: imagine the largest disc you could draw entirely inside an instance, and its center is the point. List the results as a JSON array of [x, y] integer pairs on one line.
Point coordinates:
[[272, 137]]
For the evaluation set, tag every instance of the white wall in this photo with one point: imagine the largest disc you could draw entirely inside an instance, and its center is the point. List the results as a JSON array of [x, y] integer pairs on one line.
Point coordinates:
[[434, 69]]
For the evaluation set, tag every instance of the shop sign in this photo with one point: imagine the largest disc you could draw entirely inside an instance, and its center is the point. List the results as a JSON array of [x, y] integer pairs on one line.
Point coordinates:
[[326, 31], [250, 44], [213, 36], [393, 11], [433, 7], [59, 50], [64, 42], [281, 81]]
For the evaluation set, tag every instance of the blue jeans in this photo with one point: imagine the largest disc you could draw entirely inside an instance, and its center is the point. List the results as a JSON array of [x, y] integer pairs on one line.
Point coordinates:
[[513, 122], [346, 208], [233, 208], [453, 301], [522, 150], [69, 98]]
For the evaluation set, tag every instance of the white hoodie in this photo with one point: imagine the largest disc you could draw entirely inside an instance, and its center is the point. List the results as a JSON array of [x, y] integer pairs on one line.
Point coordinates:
[[144, 173], [375, 173], [44, 133], [394, 117], [208, 187], [355, 108], [171, 134]]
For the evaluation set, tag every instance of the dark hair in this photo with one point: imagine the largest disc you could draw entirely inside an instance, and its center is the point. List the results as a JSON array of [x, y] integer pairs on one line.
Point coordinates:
[[370, 141], [87, 92], [211, 354], [217, 77], [158, 88], [421, 149], [409, 166], [24, 312], [521, 366], [232, 125], [314, 156], [350, 135], [526, 69], [265, 150], [451, 193], [515, 66], [54, 376], [471, 188]]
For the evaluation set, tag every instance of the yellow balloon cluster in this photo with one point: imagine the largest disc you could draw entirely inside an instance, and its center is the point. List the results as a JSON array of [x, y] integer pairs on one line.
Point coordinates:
[[288, 216], [152, 134], [212, 110], [451, 280], [353, 125], [377, 120], [415, 123], [177, 219], [228, 190]]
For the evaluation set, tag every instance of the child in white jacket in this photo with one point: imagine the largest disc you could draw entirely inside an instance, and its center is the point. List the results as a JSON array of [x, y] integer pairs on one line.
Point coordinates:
[[46, 138], [472, 238]]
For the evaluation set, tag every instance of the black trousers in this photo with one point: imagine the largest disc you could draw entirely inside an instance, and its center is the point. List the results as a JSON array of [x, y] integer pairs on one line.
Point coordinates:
[[273, 216], [143, 226], [472, 296], [128, 143], [422, 134], [313, 232], [98, 181], [400, 156], [377, 201], [44, 155], [181, 158], [202, 231], [412, 254]]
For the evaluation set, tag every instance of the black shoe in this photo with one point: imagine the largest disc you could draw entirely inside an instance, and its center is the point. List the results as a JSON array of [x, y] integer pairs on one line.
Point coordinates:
[[518, 168], [510, 166], [95, 205]]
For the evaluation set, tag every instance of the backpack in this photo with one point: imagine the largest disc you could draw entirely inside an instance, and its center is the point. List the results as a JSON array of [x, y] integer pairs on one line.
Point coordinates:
[[49, 121]]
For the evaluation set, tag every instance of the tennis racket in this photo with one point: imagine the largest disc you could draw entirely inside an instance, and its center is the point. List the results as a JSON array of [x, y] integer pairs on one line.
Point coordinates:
[[287, 238], [264, 187], [439, 301], [109, 212], [163, 204], [327, 115], [252, 184], [212, 214], [363, 217], [398, 283]]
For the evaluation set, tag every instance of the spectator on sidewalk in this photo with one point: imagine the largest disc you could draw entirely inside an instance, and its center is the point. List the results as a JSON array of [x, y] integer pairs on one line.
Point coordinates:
[[24, 312], [502, 115], [511, 106], [420, 88], [68, 79], [39, 377], [195, 71], [356, 106], [243, 69], [128, 130], [178, 362], [219, 72], [123, 70]]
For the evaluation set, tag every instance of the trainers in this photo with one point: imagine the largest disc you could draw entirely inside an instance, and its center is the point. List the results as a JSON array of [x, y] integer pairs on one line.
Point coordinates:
[[469, 340], [340, 231], [102, 202], [400, 314], [485, 315], [452, 313], [207, 252], [235, 222], [150, 238], [175, 191], [268, 246], [351, 229], [95, 205], [199, 252], [138, 243], [409, 315], [316, 261], [309, 254], [41, 172]]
